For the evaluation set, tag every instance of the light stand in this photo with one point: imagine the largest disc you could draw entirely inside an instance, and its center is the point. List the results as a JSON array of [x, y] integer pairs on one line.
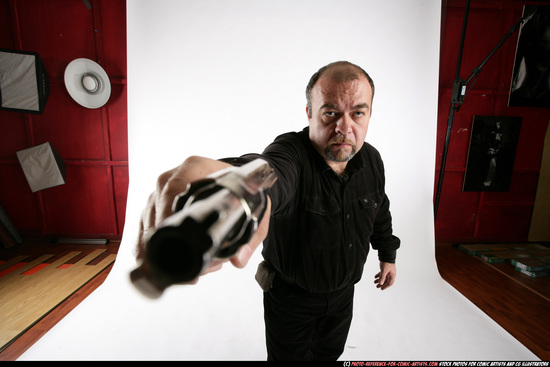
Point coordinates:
[[459, 92]]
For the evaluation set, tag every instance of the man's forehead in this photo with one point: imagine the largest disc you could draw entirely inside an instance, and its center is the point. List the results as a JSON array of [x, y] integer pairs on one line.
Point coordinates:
[[334, 106], [333, 92]]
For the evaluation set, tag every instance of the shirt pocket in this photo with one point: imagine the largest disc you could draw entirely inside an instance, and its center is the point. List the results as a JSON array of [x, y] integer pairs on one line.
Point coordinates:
[[366, 208], [366, 202], [322, 222]]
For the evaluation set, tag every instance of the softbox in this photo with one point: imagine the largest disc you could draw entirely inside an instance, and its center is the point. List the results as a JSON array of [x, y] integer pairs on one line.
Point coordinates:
[[43, 167], [24, 85]]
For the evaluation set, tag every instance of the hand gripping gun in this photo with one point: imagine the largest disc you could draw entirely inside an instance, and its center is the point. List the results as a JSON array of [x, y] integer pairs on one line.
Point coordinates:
[[212, 219]]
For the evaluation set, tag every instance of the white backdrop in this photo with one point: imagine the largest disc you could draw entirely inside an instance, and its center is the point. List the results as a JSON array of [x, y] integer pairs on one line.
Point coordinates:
[[222, 78]]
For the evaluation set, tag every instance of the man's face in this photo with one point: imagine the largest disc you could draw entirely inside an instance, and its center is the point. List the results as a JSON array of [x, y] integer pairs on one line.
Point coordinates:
[[340, 114]]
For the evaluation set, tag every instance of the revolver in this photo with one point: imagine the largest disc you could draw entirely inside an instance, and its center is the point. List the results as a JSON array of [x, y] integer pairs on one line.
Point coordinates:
[[211, 219]]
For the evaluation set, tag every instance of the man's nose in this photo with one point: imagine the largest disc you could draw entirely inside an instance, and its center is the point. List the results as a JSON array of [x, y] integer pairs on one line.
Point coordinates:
[[343, 125]]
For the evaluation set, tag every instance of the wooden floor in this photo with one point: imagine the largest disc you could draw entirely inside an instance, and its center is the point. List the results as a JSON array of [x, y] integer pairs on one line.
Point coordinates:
[[524, 313], [521, 309], [24, 342]]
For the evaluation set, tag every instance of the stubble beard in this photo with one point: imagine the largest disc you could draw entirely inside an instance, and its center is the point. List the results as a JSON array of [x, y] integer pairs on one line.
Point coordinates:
[[340, 154]]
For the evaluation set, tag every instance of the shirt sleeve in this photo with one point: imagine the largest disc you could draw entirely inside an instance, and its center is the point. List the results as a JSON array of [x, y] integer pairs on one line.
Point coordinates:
[[382, 238], [285, 157]]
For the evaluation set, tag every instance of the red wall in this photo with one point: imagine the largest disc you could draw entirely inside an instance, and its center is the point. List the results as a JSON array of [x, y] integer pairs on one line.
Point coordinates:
[[93, 143], [485, 216]]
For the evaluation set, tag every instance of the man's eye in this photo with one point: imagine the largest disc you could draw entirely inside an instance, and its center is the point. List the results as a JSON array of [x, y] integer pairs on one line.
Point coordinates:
[[359, 113], [330, 114]]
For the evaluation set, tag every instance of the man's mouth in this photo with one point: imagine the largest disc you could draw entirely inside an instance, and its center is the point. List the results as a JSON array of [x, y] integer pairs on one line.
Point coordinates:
[[341, 143]]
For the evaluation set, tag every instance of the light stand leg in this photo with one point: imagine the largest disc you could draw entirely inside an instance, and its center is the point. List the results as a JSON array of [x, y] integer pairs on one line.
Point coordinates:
[[457, 98]]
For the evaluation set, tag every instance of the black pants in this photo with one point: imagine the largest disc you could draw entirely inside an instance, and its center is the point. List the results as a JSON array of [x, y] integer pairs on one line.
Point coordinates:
[[306, 326]]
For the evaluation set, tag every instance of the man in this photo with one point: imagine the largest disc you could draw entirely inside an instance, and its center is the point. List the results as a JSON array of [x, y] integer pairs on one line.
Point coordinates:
[[327, 205]]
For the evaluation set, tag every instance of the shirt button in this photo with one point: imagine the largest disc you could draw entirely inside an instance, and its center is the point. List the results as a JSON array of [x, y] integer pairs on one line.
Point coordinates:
[[350, 245], [347, 216]]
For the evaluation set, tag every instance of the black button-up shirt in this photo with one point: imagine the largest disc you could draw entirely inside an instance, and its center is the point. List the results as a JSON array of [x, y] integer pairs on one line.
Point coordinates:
[[321, 224]]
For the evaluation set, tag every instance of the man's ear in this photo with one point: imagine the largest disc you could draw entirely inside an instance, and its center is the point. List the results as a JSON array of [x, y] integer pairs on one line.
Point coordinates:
[[307, 112]]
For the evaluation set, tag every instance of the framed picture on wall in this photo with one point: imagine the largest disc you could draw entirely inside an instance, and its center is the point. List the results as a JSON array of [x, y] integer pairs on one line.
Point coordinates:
[[530, 85], [492, 152]]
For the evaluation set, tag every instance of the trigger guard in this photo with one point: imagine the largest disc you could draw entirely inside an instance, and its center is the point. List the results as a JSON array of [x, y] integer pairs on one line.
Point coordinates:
[[234, 247], [251, 228]]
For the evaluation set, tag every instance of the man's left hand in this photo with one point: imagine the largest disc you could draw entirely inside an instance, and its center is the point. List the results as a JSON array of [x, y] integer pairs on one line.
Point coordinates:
[[386, 277]]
